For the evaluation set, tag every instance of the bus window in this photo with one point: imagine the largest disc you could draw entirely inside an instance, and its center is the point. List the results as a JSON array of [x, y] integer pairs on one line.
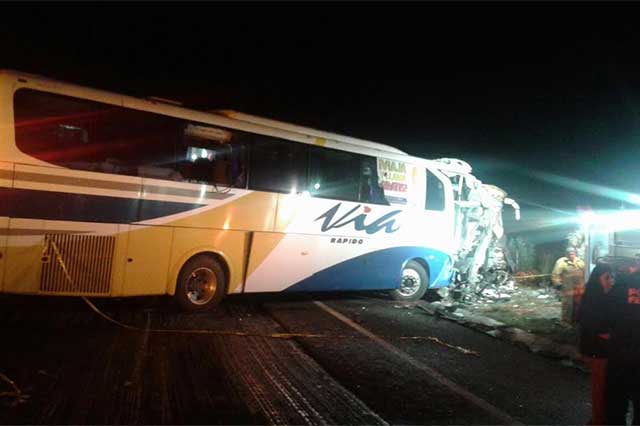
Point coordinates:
[[396, 180], [277, 165], [334, 174], [371, 190], [212, 155], [86, 135], [58, 129], [435, 192]]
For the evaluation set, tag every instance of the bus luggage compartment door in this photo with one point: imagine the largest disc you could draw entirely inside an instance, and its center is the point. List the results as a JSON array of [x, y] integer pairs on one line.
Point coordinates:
[[147, 260], [278, 260]]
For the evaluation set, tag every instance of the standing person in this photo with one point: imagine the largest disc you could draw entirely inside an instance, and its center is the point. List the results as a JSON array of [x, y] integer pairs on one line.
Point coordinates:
[[623, 369], [567, 277], [592, 317]]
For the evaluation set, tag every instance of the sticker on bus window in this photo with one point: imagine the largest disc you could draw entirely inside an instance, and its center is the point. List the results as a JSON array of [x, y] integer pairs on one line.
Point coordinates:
[[394, 177]]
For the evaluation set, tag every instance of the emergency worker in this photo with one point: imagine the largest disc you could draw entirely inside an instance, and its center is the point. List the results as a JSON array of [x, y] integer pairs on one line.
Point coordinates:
[[594, 337], [623, 370], [568, 278]]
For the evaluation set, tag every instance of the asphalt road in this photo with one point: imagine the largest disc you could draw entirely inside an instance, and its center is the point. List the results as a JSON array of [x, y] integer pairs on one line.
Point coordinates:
[[352, 359]]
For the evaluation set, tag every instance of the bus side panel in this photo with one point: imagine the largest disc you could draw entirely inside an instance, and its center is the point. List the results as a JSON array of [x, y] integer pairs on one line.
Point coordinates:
[[119, 266], [337, 245], [277, 259], [60, 257], [294, 262], [230, 245], [147, 263], [4, 230], [380, 269], [247, 211], [25, 245], [6, 182]]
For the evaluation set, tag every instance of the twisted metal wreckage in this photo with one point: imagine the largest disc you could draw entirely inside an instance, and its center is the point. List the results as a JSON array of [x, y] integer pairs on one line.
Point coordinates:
[[480, 261]]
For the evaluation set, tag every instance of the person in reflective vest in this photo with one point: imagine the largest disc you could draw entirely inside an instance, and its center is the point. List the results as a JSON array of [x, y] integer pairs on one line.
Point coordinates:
[[568, 278]]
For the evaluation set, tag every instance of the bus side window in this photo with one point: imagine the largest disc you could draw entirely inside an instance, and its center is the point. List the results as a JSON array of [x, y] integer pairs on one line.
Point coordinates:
[[212, 155], [435, 193], [334, 174], [277, 165], [58, 129], [87, 135], [143, 143], [370, 189]]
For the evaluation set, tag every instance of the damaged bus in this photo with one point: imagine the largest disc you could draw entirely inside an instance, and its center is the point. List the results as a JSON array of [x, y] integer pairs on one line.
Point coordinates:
[[106, 195]]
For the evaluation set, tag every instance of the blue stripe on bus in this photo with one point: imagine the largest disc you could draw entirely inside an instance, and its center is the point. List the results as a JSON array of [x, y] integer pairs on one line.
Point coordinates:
[[378, 270], [48, 205]]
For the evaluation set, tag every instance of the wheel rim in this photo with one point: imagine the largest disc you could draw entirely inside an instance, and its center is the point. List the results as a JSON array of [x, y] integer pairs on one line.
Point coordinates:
[[410, 283], [202, 286]]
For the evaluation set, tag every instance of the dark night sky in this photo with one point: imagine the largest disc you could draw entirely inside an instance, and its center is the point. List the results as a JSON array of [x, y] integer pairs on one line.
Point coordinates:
[[518, 90]]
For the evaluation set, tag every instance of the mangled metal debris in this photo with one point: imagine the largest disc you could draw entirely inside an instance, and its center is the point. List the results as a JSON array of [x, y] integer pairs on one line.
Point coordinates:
[[482, 269]]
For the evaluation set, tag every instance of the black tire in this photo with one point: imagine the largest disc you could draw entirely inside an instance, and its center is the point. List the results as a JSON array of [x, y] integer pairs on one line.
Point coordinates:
[[201, 284], [414, 283]]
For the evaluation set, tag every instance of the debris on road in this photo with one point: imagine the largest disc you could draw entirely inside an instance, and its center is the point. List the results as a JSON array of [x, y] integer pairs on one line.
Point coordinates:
[[440, 342], [528, 316]]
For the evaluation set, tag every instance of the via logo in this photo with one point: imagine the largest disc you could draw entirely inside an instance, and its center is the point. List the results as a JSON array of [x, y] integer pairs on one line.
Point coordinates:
[[384, 222]]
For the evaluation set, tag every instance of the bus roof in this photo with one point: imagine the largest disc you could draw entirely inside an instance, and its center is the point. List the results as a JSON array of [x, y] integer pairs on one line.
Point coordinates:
[[307, 130], [251, 123]]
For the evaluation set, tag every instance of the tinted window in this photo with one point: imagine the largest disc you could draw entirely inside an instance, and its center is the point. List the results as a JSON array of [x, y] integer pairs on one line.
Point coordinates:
[[212, 155], [371, 190], [435, 192], [334, 174], [277, 165], [86, 135]]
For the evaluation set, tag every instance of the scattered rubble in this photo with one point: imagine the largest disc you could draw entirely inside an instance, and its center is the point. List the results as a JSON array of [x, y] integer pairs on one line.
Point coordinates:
[[523, 314]]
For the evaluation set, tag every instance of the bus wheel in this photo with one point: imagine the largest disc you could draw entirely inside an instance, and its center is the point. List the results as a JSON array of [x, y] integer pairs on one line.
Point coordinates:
[[201, 284], [415, 281]]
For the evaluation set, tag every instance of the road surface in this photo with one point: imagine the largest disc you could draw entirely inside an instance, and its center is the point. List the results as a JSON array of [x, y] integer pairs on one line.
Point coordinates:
[[354, 358]]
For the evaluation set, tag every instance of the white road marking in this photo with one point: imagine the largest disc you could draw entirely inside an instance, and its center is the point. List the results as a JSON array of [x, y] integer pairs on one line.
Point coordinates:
[[452, 386]]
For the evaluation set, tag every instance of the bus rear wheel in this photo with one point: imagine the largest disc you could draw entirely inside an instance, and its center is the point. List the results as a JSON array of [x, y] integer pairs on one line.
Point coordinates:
[[201, 284], [414, 283]]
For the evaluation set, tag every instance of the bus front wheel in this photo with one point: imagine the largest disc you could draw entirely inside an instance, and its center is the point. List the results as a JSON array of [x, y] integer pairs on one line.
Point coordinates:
[[201, 284], [414, 284]]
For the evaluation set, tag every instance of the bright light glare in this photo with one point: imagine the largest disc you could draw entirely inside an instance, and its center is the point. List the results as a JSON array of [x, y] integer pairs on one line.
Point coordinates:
[[570, 183], [587, 218], [617, 220], [316, 185], [587, 187], [203, 153], [203, 192]]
